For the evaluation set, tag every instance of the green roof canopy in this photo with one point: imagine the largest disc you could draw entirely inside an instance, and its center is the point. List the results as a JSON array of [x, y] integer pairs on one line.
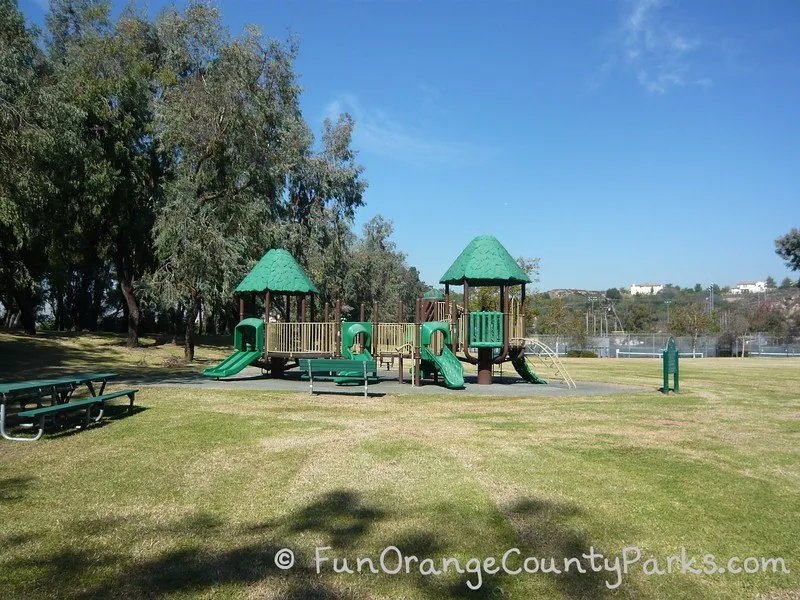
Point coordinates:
[[485, 262], [277, 271]]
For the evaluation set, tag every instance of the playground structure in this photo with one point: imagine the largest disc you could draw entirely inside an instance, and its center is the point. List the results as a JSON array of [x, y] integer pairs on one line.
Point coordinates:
[[442, 336]]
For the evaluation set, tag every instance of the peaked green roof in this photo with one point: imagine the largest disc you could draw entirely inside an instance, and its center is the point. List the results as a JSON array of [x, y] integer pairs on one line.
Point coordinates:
[[485, 262], [277, 271]]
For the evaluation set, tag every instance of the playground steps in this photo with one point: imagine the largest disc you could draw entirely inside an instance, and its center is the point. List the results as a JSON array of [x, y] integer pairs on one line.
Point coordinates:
[[535, 348]]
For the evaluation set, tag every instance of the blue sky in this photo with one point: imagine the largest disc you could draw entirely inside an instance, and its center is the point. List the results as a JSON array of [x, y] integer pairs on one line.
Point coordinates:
[[620, 141]]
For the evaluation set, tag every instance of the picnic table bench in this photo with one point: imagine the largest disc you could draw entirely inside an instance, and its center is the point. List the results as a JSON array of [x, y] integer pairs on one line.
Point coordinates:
[[60, 391], [339, 370]]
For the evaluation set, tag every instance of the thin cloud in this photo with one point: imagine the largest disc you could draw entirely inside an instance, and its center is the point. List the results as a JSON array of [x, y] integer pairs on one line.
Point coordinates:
[[379, 133], [653, 48]]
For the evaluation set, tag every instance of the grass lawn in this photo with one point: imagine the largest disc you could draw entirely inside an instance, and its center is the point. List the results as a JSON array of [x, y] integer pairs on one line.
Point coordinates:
[[193, 495]]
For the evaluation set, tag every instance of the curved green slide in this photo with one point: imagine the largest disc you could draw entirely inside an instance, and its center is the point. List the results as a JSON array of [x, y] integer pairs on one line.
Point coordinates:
[[524, 369], [448, 365], [233, 364]]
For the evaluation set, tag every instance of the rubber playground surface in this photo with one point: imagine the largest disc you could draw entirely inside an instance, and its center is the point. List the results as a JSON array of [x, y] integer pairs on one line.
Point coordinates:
[[504, 385]]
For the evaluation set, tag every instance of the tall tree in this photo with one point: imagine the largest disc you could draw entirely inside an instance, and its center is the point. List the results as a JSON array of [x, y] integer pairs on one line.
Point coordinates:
[[111, 180], [325, 187], [788, 248], [691, 319], [27, 116], [228, 114], [378, 272]]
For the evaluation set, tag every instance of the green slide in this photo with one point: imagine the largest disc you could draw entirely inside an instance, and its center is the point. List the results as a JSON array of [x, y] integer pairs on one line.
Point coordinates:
[[524, 369], [448, 365], [233, 364]]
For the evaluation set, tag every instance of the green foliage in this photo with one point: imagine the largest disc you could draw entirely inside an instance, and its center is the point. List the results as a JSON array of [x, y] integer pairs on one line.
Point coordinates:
[[787, 283], [244, 176], [613, 294], [105, 70], [788, 248], [691, 319], [27, 114], [638, 316], [581, 354], [378, 272]]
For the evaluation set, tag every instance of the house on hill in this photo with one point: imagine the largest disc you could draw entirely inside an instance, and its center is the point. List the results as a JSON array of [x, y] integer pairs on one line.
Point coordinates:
[[749, 287], [645, 288]]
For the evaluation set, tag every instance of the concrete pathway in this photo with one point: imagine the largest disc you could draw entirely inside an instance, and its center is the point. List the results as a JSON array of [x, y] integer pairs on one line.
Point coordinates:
[[251, 379]]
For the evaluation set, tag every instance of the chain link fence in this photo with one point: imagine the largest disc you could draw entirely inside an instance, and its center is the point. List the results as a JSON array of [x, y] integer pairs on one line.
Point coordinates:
[[644, 345]]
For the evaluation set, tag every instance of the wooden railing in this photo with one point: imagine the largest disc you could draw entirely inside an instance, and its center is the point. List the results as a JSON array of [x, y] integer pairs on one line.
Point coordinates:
[[390, 336], [516, 322], [302, 337]]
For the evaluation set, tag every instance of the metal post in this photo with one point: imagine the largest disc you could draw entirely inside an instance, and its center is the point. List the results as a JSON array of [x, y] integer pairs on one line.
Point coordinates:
[[337, 315], [375, 329], [417, 344], [266, 322]]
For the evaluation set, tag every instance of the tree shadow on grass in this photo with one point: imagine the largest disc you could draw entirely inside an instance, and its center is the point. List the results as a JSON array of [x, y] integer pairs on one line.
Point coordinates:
[[205, 553], [73, 424], [42, 356], [543, 534], [13, 489]]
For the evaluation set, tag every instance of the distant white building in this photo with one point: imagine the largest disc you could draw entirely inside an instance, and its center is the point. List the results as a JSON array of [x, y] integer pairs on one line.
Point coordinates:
[[646, 288], [749, 287]]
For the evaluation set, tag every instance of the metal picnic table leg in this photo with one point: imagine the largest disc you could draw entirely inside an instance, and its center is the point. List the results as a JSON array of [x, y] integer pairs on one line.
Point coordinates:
[[90, 385], [5, 435]]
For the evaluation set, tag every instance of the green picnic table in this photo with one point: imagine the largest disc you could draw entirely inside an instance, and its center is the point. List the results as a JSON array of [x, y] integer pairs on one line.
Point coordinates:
[[59, 390]]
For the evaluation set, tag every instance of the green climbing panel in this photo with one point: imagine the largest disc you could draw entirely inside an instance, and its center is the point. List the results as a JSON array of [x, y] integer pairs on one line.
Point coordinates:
[[486, 329]]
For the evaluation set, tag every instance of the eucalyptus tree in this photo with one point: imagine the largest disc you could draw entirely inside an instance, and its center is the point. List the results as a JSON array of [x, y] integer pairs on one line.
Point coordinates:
[[378, 272], [245, 174], [324, 189], [28, 115], [109, 182], [228, 116]]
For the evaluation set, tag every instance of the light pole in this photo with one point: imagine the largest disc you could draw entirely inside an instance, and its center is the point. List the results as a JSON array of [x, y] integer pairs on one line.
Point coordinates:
[[667, 302], [712, 297], [594, 323]]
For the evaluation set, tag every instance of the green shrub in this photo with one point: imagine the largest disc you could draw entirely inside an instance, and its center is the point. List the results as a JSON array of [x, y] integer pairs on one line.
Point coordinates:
[[581, 354]]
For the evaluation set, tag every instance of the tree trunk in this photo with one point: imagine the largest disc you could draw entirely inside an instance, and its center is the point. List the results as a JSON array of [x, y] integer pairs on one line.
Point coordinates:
[[175, 314], [132, 304], [188, 344], [24, 299]]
